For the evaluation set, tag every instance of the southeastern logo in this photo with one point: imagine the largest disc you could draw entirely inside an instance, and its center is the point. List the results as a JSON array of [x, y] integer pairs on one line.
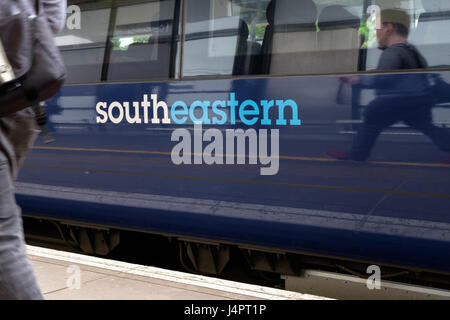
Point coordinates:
[[191, 150]]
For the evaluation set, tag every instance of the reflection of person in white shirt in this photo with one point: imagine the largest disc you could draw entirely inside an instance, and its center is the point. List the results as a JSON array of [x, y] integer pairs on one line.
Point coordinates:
[[17, 133]]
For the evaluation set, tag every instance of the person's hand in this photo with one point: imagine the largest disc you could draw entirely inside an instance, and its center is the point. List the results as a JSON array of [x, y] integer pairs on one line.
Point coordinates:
[[352, 80]]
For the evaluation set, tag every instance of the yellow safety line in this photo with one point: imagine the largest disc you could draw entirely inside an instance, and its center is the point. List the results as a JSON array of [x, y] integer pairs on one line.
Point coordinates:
[[298, 158], [273, 183]]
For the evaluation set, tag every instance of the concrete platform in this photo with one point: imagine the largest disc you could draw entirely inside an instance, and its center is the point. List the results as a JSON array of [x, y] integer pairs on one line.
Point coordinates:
[[68, 276]]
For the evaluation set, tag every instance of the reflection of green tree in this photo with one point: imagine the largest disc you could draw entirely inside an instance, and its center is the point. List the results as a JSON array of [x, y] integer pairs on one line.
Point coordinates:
[[368, 30], [117, 45], [260, 29], [141, 39]]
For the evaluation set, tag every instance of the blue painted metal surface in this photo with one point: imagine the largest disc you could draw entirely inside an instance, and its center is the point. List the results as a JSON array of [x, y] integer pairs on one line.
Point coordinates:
[[403, 179]]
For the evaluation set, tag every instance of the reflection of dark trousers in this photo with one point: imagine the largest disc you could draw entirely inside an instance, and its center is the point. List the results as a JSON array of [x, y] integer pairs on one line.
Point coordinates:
[[384, 112], [17, 280]]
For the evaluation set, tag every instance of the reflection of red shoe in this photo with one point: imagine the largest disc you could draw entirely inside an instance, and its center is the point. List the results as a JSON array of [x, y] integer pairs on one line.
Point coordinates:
[[446, 161], [339, 155]]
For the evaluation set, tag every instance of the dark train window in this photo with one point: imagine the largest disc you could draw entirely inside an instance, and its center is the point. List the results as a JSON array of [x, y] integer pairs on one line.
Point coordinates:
[[430, 26], [340, 36], [308, 37], [139, 39], [428, 31], [142, 46], [83, 41], [222, 37], [281, 37], [119, 40]]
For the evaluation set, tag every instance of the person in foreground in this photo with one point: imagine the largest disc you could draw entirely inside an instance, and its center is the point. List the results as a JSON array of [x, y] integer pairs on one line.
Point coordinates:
[[17, 134]]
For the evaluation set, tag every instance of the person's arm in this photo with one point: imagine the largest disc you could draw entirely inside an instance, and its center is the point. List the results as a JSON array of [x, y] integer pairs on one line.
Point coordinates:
[[390, 60], [55, 10]]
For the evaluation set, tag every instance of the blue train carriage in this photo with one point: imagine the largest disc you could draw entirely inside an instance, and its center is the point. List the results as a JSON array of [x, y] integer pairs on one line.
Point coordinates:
[[210, 121]]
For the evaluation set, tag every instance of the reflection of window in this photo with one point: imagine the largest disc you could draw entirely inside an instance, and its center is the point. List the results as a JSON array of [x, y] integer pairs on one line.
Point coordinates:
[[142, 41], [310, 37], [220, 37], [240, 37], [140, 45], [431, 34], [83, 49]]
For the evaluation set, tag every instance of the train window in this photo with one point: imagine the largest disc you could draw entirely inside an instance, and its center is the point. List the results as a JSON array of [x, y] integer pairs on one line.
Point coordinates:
[[430, 31], [307, 37], [428, 23], [82, 43], [138, 39], [141, 43], [339, 36], [222, 37]]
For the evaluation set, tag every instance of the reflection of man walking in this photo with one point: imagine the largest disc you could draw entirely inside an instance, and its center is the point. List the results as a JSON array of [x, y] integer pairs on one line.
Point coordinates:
[[403, 97], [17, 133]]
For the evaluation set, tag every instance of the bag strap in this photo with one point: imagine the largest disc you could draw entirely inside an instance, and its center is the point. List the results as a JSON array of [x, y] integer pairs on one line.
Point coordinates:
[[416, 55], [434, 76], [37, 7]]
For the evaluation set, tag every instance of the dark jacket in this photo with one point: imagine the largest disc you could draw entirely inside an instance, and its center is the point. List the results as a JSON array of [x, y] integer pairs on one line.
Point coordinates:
[[399, 57]]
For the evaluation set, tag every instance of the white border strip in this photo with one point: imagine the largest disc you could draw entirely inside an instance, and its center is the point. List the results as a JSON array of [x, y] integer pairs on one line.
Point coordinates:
[[414, 228], [174, 276]]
